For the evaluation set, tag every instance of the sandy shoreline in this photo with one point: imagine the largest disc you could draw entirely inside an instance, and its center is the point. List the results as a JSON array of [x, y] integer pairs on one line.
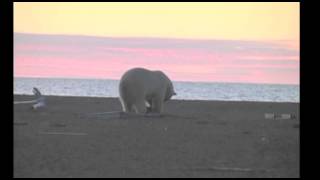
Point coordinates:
[[195, 139]]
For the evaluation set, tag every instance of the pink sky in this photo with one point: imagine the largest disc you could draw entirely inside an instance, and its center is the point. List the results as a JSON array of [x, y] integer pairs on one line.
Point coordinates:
[[183, 60]]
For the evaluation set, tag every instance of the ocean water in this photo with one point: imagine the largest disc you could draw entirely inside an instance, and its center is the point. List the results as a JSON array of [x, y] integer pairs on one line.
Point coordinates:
[[185, 90]]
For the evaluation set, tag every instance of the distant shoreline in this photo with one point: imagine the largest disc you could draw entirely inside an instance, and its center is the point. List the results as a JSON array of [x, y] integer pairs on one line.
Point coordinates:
[[185, 90]]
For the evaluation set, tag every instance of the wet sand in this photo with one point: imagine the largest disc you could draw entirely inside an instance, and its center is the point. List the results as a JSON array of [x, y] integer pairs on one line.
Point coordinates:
[[192, 139]]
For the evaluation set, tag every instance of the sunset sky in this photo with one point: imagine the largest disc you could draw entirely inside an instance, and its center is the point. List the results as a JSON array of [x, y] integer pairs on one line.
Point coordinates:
[[208, 41]]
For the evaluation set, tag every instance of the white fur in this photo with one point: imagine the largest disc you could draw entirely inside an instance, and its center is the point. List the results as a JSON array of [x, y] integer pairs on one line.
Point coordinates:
[[143, 91]]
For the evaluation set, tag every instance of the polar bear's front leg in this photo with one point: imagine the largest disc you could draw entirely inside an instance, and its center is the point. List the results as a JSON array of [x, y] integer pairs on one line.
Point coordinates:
[[157, 104], [126, 107]]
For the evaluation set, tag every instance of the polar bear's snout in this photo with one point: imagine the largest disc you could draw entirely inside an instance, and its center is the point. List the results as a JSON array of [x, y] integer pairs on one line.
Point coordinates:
[[144, 91]]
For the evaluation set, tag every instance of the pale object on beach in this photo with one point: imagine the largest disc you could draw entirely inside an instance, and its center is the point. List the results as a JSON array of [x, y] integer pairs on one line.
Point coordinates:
[[287, 116], [40, 101], [269, 116], [278, 116]]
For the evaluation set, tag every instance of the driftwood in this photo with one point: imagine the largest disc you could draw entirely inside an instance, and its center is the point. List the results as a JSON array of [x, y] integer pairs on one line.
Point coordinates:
[[64, 133], [21, 123], [118, 114], [121, 115], [279, 116]]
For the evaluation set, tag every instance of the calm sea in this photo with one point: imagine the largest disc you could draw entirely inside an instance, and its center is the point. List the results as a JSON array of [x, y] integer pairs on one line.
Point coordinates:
[[185, 90]]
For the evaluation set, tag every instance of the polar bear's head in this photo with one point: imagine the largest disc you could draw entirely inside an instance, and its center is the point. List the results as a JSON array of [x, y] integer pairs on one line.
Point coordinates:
[[169, 92]]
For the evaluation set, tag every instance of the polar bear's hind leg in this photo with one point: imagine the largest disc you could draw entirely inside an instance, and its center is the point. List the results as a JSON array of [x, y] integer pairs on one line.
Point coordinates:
[[141, 107], [156, 105]]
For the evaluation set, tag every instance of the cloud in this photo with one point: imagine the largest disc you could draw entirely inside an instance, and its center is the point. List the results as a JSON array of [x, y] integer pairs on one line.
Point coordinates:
[[198, 60]]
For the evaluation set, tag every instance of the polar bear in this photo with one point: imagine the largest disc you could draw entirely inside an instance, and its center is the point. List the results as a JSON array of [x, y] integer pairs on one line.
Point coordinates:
[[144, 91]]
